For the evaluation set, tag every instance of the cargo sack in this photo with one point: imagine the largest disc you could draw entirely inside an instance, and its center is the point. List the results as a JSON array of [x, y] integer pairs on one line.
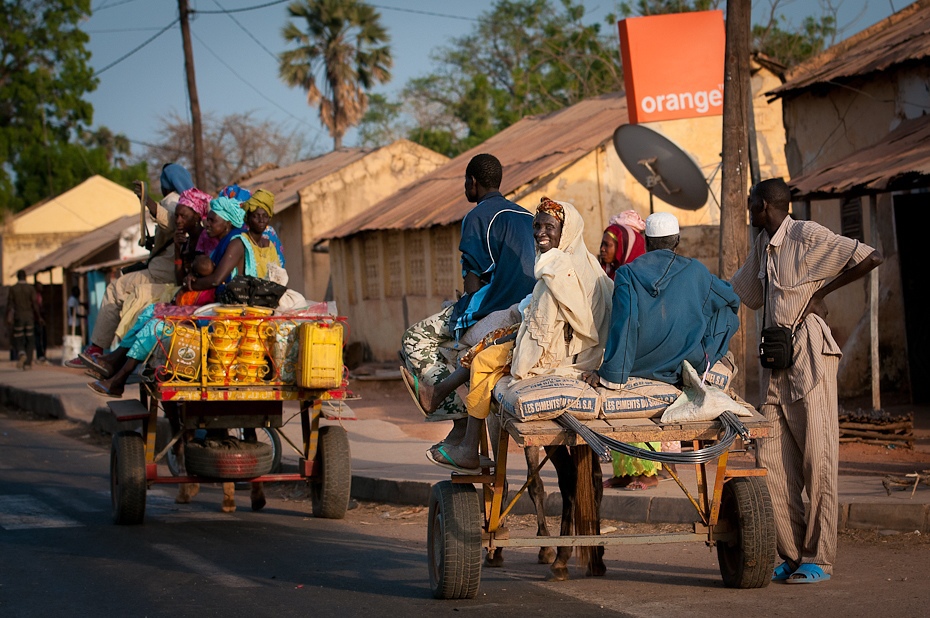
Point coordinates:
[[637, 398], [541, 398], [699, 401], [252, 291]]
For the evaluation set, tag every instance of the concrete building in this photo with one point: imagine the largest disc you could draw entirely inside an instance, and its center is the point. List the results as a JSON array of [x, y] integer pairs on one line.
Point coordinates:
[[314, 196], [397, 262], [858, 150], [44, 227]]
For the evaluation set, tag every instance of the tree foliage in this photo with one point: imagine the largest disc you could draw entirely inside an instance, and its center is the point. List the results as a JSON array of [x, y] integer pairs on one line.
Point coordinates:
[[341, 54], [44, 75], [233, 146], [524, 57]]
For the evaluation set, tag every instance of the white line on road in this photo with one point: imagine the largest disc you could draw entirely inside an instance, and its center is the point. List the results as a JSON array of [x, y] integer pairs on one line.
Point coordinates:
[[213, 572], [67, 498], [26, 512]]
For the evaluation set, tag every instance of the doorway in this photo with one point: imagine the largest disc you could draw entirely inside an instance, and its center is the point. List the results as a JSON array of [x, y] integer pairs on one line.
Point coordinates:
[[910, 214]]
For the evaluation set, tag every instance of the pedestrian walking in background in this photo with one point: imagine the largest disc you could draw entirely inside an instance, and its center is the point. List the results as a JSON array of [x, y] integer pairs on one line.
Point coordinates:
[[21, 316]]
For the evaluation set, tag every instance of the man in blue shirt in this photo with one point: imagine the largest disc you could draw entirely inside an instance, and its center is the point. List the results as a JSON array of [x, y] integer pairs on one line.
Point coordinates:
[[498, 254], [666, 309]]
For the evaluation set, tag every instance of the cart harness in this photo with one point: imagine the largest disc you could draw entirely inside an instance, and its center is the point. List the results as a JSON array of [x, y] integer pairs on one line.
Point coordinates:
[[602, 445]]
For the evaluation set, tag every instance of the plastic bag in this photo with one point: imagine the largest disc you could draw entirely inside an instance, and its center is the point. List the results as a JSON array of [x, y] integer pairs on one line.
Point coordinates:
[[698, 401]]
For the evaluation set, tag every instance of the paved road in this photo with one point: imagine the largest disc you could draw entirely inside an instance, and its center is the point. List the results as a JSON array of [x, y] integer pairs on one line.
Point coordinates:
[[60, 555]]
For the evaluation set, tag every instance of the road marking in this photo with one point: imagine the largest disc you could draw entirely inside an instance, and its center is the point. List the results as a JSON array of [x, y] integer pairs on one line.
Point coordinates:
[[198, 565], [67, 498], [27, 512]]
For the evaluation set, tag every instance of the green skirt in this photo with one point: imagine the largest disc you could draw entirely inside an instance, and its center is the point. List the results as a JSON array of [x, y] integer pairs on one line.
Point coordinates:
[[625, 465]]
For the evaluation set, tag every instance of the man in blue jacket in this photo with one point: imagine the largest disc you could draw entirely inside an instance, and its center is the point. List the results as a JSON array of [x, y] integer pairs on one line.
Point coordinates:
[[666, 309]]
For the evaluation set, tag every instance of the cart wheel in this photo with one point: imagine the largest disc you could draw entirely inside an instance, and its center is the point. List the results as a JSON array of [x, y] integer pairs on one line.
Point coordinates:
[[127, 478], [331, 488], [227, 459], [748, 560], [454, 541]]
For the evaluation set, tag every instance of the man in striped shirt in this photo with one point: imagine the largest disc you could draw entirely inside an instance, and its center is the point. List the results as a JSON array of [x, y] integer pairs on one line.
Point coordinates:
[[792, 267]]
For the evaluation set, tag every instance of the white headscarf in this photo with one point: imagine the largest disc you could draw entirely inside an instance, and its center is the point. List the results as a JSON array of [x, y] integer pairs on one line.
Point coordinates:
[[571, 288]]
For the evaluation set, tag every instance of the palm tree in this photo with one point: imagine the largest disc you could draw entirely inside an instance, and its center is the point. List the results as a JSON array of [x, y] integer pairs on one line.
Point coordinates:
[[342, 53]]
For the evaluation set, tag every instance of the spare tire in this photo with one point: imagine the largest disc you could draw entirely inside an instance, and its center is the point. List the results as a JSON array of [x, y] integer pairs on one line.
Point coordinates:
[[228, 458]]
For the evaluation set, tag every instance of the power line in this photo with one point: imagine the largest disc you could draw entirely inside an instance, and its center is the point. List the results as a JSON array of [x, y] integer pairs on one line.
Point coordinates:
[[105, 6], [249, 84], [430, 13], [127, 55], [242, 10], [250, 35], [112, 30]]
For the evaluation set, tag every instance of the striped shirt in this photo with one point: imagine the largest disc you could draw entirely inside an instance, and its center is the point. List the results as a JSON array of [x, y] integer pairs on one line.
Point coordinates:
[[800, 259]]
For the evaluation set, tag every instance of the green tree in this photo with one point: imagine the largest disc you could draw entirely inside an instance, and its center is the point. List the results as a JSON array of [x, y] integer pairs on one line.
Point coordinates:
[[523, 57], [341, 54], [382, 123], [44, 75]]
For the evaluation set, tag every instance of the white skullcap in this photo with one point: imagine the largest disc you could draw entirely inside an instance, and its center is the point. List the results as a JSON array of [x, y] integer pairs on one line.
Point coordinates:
[[661, 224]]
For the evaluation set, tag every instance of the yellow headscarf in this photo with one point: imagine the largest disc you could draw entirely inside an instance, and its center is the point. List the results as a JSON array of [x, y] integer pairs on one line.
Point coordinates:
[[260, 199]]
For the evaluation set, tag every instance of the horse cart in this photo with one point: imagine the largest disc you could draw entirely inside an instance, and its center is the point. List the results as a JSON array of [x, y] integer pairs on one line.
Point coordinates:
[[733, 506], [222, 378]]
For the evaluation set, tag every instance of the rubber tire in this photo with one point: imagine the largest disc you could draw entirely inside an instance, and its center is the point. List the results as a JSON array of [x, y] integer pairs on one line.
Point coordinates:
[[267, 435], [454, 541], [127, 478], [748, 561], [249, 460], [332, 485]]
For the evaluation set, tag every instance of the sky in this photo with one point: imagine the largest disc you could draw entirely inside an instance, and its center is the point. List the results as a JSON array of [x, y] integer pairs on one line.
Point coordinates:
[[237, 70]]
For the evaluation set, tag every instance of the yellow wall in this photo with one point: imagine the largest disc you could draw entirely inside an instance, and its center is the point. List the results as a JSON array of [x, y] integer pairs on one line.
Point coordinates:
[[41, 229], [350, 191]]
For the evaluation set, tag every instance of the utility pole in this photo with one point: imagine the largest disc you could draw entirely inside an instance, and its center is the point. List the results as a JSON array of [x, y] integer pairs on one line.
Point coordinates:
[[196, 125], [734, 237]]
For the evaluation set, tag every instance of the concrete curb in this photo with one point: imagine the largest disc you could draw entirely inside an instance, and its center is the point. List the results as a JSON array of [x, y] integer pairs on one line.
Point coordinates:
[[628, 508]]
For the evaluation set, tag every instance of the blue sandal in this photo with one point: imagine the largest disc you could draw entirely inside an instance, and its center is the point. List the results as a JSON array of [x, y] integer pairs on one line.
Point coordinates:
[[808, 573], [782, 572]]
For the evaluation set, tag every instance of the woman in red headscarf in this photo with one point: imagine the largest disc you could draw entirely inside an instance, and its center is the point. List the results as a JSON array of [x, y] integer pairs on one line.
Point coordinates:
[[623, 242]]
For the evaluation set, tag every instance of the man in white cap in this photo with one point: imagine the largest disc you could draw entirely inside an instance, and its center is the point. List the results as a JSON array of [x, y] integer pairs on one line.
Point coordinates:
[[666, 309]]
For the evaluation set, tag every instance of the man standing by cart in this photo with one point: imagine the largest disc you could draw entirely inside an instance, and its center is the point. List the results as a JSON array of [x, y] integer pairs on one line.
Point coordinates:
[[792, 267]]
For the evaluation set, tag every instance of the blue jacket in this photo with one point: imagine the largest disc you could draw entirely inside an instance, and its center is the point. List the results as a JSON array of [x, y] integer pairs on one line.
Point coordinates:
[[666, 309]]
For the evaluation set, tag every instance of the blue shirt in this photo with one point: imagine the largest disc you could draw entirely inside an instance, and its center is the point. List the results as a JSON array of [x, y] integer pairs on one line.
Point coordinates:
[[497, 245]]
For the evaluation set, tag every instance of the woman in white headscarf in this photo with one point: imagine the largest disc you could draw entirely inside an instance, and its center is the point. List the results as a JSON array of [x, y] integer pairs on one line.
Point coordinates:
[[564, 328]]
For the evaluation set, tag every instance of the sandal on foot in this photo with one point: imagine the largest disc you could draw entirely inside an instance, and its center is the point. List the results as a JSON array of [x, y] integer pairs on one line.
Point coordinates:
[[413, 389], [641, 483], [782, 572], [441, 459], [808, 573], [94, 362], [98, 387]]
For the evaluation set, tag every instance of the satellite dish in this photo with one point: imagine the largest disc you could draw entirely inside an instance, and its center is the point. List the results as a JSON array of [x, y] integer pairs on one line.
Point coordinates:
[[662, 167]]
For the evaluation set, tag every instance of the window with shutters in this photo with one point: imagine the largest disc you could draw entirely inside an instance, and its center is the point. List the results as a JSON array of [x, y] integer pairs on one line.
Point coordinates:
[[851, 219], [394, 264], [415, 255], [444, 267], [371, 259]]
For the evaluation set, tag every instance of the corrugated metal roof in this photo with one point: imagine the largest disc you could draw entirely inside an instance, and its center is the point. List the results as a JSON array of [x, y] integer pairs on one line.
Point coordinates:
[[900, 161], [528, 150], [83, 247], [286, 182], [902, 37]]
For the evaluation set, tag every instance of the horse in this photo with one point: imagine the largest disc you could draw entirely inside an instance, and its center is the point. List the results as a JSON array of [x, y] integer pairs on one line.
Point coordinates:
[[580, 486]]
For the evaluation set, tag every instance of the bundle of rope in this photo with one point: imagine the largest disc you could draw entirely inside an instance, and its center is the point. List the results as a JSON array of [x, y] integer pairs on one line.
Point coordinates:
[[602, 445]]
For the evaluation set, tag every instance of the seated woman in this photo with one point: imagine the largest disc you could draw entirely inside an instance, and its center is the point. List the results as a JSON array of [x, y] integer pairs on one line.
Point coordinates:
[[563, 330], [237, 252]]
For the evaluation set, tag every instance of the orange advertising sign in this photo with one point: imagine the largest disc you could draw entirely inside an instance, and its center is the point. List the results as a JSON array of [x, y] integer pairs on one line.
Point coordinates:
[[673, 65]]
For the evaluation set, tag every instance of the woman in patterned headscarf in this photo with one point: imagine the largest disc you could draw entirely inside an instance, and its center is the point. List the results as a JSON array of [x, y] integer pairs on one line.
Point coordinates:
[[623, 242]]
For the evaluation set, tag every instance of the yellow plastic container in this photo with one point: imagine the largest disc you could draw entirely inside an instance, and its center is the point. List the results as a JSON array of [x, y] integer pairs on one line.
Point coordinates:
[[320, 362], [184, 354]]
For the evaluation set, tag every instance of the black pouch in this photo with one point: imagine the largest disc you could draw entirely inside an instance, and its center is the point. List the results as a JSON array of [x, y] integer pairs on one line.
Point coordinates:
[[252, 291], [776, 350]]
